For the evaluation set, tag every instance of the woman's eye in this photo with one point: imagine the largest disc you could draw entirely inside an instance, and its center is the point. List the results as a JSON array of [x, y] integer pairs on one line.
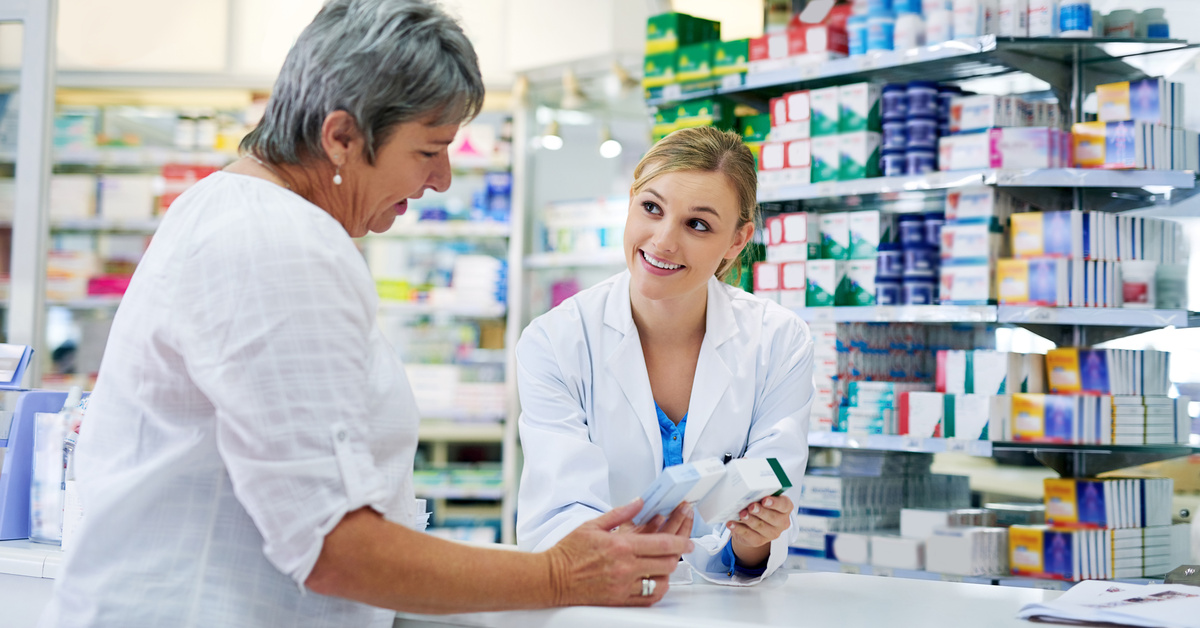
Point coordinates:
[[651, 207], [699, 225], [429, 155]]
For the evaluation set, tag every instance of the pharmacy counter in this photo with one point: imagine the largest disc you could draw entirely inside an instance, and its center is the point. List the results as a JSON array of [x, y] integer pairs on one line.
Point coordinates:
[[27, 572], [793, 599]]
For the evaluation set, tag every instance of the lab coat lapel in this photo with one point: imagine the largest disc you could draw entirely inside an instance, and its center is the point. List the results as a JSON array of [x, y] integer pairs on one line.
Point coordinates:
[[713, 375], [627, 365]]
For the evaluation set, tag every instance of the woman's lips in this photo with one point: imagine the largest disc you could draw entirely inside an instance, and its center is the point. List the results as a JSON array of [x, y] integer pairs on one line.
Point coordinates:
[[401, 207]]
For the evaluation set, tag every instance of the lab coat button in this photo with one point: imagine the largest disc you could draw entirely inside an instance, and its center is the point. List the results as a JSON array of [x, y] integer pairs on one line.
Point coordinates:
[[341, 435]]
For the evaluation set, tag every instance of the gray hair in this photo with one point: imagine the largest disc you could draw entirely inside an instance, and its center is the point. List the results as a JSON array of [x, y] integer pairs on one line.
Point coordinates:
[[384, 62]]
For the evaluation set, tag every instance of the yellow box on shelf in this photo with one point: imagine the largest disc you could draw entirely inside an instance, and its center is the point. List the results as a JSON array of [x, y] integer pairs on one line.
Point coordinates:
[[393, 289]]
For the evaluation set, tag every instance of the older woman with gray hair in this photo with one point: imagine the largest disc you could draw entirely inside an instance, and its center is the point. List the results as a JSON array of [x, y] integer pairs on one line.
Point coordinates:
[[248, 451]]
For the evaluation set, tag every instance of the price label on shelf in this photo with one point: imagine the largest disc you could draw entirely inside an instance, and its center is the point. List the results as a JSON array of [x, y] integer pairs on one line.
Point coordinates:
[[913, 443], [1049, 585], [732, 81], [826, 189], [848, 568], [808, 71], [672, 92], [885, 572], [949, 577], [957, 446], [1043, 315]]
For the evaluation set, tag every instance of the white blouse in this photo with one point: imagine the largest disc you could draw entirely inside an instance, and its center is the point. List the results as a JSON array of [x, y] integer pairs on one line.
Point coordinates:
[[246, 402]]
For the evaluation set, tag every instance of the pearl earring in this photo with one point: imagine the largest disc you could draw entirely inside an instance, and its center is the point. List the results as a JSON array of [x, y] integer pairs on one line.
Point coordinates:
[[337, 176]]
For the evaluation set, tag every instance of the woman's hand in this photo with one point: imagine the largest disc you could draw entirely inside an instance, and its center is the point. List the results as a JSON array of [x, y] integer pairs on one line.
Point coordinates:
[[596, 567], [679, 523], [758, 525]]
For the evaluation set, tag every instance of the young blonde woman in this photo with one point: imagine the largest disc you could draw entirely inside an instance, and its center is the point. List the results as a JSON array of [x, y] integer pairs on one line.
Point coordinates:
[[665, 364]]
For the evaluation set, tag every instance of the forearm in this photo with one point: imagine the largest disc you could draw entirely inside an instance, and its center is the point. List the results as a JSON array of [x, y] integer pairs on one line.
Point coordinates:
[[371, 560]]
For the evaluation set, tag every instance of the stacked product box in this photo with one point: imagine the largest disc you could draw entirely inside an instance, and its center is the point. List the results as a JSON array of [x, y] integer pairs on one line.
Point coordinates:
[[791, 238], [754, 131], [825, 365], [1003, 132], [669, 34], [1100, 419], [962, 541], [1083, 259], [1140, 125], [914, 116], [838, 505], [715, 112], [871, 407], [972, 241], [1101, 529], [896, 353], [812, 37], [786, 156]]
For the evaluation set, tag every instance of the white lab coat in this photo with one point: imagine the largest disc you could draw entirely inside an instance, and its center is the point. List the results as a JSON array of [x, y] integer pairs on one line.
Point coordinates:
[[590, 432]]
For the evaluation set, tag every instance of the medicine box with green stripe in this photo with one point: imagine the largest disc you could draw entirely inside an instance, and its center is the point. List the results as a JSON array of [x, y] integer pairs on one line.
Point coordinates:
[[859, 155], [859, 108], [826, 113], [823, 278], [715, 112], [826, 158], [835, 235]]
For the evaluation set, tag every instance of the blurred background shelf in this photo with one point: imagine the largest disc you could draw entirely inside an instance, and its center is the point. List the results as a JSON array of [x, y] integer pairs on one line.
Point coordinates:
[[575, 260]]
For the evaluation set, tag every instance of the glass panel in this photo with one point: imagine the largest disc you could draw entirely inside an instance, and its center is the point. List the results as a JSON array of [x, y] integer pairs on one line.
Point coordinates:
[[10, 59], [143, 35]]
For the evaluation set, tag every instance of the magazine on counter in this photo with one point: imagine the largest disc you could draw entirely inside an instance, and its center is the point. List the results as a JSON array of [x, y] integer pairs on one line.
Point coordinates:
[[1094, 601]]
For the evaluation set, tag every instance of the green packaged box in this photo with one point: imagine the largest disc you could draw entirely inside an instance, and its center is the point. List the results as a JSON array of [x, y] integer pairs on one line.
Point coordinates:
[[668, 31], [867, 230], [826, 158], [664, 122], [856, 283], [694, 62], [822, 277], [658, 70], [715, 112], [860, 155], [859, 108], [835, 235], [824, 114], [755, 128], [731, 57]]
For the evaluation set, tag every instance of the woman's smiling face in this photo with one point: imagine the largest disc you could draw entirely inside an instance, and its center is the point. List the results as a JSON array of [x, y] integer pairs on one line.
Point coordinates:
[[681, 226]]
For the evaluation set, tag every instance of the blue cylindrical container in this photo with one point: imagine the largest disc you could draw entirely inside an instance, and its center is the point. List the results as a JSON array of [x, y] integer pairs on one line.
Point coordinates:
[[894, 102], [856, 29], [881, 29], [933, 228], [878, 5], [1158, 31], [922, 99], [922, 134], [920, 259], [889, 261], [893, 163], [943, 128], [1075, 18], [888, 291], [921, 161], [912, 230], [895, 135], [946, 93], [916, 290], [907, 6]]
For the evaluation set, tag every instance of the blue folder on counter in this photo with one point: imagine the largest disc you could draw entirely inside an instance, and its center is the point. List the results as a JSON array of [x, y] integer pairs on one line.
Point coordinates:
[[14, 359]]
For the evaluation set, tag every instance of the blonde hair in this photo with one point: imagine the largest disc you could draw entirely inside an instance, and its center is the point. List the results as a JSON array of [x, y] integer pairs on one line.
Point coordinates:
[[706, 149]]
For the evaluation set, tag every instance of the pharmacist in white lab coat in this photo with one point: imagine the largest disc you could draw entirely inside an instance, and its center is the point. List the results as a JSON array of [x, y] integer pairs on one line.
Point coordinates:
[[664, 364]]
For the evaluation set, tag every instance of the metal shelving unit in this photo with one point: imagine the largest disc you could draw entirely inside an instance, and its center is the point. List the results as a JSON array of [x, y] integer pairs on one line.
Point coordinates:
[[1050, 59]]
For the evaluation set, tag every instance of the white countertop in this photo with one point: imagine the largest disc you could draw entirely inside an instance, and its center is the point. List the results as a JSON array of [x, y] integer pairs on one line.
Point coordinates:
[[25, 558], [809, 599]]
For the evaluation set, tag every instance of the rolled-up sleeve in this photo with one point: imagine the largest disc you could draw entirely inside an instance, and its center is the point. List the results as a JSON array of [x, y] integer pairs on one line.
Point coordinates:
[[276, 334]]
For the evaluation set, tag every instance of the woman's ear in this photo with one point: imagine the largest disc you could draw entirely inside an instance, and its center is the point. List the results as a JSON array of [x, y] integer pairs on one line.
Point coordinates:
[[740, 239], [341, 137]]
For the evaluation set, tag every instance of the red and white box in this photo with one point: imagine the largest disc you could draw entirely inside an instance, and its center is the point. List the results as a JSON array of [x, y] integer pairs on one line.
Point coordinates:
[[766, 280], [793, 284], [788, 236]]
